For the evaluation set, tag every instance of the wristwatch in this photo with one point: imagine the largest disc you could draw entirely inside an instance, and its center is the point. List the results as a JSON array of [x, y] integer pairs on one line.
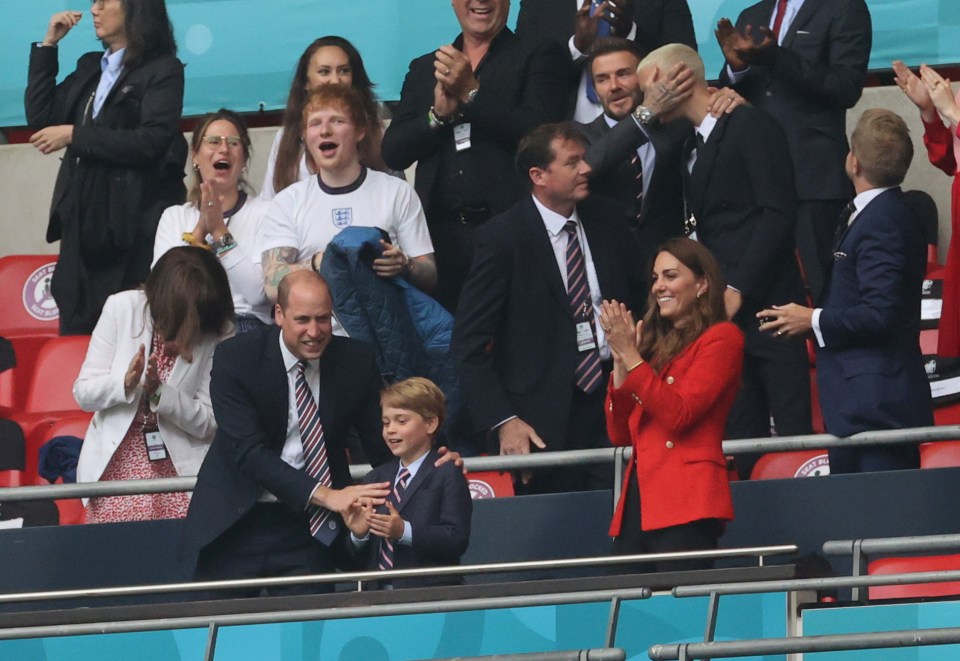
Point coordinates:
[[643, 115]]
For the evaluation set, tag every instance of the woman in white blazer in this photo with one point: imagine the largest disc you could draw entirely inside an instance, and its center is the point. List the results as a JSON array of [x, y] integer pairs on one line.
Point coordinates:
[[146, 377]]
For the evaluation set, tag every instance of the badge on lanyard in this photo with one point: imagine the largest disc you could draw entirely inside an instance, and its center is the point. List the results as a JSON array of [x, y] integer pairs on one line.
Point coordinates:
[[585, 338], [156, 450], [461, 136]]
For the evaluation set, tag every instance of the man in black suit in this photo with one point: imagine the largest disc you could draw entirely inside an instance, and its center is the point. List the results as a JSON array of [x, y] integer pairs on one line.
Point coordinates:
[[256, 496], [531, 356], [867, 324], [804, 62], [637, 166], [462, 111], [739, 192], [571, 23]]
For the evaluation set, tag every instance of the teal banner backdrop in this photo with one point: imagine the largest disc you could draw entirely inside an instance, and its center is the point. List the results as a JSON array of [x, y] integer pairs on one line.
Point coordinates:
[[240, 54]]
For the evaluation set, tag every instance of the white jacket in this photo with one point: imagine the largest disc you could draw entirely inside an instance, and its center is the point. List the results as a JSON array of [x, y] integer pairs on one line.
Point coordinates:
[[184, 414]]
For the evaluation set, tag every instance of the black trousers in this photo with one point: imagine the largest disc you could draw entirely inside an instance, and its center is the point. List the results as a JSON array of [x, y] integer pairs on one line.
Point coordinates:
[[271, 540], [697, 535]]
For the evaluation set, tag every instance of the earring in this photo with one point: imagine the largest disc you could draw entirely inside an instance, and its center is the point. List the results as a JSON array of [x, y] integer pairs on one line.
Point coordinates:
[[196, 168], [698, 294]]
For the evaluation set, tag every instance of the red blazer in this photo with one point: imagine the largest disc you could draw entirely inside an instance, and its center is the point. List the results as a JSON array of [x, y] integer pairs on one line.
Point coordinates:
[[675, 421]]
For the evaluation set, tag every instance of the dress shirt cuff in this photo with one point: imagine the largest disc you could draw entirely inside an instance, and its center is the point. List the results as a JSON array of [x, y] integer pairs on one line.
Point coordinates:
[[310, 499], [735, 289], [815, 322], [575, 53], [503, 422], [407, 537], [736, 76], [359, 542]]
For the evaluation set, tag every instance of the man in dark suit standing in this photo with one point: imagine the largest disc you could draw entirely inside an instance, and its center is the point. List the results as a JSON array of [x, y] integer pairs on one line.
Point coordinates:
[[739, 193], [869, 368], [462, 111], [575, 25], [804, 62], [271, 488], [634, 161], [532, 358]]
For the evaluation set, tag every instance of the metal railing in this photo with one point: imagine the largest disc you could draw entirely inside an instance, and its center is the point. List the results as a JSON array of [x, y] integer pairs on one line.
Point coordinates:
[[615, 456], [861, 548], [759, 552], [605, 654], [780, 646]]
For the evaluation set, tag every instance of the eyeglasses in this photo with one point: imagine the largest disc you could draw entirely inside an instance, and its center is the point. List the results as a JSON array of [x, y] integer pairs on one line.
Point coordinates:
[[217, 140], [100, 4]]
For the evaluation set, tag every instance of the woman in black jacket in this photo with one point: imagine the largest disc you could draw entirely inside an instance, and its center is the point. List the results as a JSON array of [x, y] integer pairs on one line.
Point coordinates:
[[117, 117]]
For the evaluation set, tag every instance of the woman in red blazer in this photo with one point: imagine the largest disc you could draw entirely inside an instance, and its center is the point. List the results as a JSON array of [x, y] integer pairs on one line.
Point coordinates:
[[675, 376]]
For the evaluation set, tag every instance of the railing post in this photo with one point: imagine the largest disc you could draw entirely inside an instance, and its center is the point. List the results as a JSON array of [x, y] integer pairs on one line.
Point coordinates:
[[211, 650], [857, 567], [613, 621]]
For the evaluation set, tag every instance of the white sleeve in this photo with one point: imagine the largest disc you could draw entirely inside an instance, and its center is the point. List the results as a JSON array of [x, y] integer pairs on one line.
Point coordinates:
[[243, 265], [170, 230], [97, 387], [278, 229], [266, 190], [815, 322], [191, 412], [413, 237]]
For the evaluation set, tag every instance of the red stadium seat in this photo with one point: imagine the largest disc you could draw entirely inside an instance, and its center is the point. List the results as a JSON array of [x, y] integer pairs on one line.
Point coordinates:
[[940, 455], [885, 566], [785, 465], [29, 318], [490, 484], [50, 395]]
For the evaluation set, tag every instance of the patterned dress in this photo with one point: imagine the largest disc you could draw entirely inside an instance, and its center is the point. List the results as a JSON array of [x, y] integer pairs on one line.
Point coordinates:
[[130, 462]]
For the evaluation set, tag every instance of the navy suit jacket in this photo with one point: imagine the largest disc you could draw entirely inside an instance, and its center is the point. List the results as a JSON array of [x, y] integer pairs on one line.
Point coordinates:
[[438, 507], [816, 75], [870, 372], [248, 388], [514, 336]]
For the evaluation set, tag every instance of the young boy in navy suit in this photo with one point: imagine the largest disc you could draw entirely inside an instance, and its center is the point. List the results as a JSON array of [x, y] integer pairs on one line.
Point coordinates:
[[426, 519]]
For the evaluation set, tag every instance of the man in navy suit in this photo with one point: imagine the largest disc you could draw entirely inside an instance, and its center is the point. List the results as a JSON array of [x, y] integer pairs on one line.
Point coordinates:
[[869, 367], [250, 512], [519, 340], [804, 62]]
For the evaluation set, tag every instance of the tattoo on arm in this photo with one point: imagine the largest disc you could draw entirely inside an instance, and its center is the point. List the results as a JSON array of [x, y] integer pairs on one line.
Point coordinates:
[[276, 264]]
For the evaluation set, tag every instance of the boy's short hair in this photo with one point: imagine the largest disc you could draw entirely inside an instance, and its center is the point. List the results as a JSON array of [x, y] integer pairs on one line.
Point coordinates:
[[422, 396], [881, 142]]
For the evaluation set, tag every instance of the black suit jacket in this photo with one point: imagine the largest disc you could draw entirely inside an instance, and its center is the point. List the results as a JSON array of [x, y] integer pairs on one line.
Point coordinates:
[[609, 152], [248, 389], [116, 178], [521, 86], [741, 194], [514, 339], [438, 507], [815, 76], [870, 372]]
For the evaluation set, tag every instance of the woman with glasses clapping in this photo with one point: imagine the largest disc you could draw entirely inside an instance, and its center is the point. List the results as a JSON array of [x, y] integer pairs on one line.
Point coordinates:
[[220, 215]]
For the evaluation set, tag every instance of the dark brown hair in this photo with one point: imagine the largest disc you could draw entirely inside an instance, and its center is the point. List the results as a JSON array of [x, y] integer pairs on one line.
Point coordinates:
[[287, 166], [197, 141], [536, 147], [148, 30], [188, 296], [660, 339]]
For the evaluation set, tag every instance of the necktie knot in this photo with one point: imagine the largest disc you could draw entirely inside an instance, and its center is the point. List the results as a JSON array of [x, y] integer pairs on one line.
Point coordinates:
[[570, 227]]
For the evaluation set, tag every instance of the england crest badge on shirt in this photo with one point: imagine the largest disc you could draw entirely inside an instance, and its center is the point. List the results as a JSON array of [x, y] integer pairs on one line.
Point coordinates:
[[343, 217]]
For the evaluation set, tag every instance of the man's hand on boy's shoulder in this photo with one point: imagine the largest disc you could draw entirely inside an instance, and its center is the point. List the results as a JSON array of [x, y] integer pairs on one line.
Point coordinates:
[[446, 454]]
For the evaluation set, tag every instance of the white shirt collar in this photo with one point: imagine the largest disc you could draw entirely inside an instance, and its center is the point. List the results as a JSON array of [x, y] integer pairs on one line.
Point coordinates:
[[706, 126], [414, 465], [290, 361], [865, 198], [553, 221]]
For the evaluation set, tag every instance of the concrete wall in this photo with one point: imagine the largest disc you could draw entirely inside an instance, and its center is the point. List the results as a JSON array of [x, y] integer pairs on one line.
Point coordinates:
[[27, 177]]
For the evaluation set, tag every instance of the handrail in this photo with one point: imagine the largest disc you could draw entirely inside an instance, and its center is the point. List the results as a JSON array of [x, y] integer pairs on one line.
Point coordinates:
[[512, 462], [317, 614], [360, 576], [790, 585], [598, 654], [893, 544], [801, 645]]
